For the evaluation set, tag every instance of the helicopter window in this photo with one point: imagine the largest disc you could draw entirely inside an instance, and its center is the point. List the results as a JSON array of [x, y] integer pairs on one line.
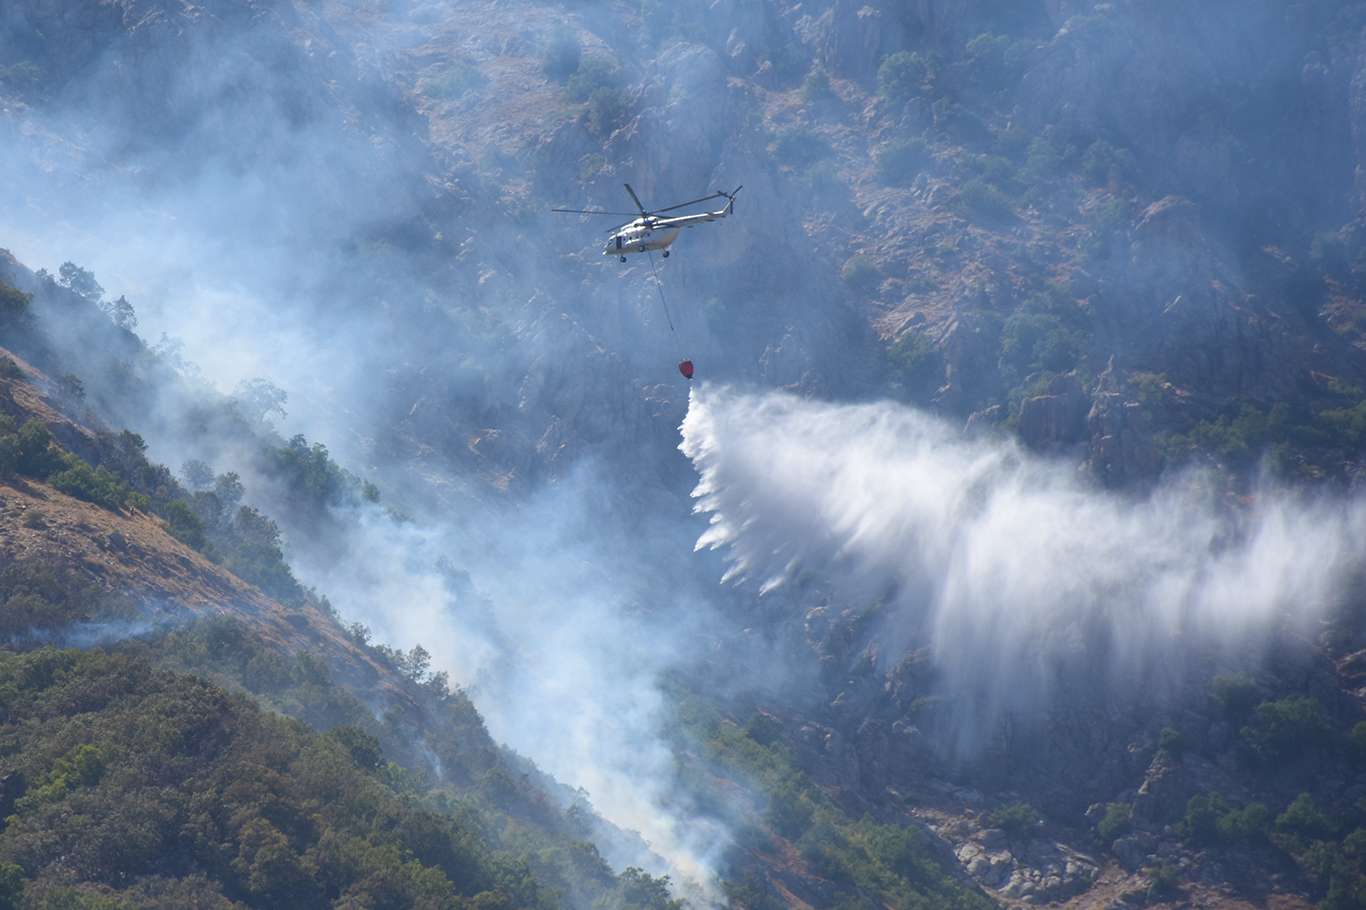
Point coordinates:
[[618, 241]]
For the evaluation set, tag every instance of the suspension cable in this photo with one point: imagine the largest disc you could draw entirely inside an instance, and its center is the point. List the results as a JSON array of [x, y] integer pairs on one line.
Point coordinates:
[[659, 286]]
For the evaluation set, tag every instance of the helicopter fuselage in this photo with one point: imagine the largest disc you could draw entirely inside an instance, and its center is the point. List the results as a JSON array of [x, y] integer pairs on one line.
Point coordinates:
[[639, 237], [646, 235]]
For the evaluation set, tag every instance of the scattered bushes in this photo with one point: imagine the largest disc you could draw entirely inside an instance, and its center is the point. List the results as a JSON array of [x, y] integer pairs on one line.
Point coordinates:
[[592, 74], [1116, 821], [902, 76], [607, 110], [1210, 819], [1303, 816], [860, 274], [984, 202], [1286, 728], [1015, 819], [14, 303], [901, 160]]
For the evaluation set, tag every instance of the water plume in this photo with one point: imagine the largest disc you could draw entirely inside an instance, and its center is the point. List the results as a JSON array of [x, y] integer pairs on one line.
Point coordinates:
[[1012, 568]]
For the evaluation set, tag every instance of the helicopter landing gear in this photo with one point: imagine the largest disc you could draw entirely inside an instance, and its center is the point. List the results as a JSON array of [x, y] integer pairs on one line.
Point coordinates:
[[666, 254], [623, 258]]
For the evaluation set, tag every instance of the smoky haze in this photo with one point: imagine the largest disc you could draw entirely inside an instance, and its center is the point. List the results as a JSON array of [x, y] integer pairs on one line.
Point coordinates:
[[351, 203]]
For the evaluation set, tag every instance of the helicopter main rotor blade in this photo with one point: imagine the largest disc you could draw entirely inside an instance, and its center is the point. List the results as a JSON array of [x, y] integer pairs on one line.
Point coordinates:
[[692, 202], [635, 199], [591, 212]]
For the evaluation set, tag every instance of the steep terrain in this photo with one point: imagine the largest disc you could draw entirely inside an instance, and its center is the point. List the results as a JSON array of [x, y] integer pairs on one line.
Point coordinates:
[[1128, 234]]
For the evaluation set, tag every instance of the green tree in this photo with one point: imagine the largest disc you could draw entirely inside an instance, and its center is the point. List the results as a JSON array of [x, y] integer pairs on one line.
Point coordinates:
[[902, 75], [80, 281]]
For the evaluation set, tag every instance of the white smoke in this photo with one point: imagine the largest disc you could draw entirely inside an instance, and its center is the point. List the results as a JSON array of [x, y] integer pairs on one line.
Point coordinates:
[[1007, 565]]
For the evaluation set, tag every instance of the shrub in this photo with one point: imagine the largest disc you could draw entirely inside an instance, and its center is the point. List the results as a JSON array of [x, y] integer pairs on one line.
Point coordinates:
[[1016, 818], [901, 160], [1103, 164], [14, 303], [1164, 883], [593, 73], [902, 76], [95, 485], [1117, 820], [984, 202], [1245, 824], [36, 457], [607, 109], [1286, 728], [1356, 742], [1303, 816], [990, 61], [1172, 742], [81, 281], [860, 274]]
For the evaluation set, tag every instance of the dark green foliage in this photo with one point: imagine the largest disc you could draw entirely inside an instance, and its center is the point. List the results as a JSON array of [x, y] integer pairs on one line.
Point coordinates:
[[1118, 819], [607, 110], [80, 281], [901, 160], [1303, 816], [134, 773], [14, 303], [994, 62], [1015, 819], [1164, 883], [860, 274], [70, 386], [34, 450], [250, 547], [637, 890], [184, 524], [896, 865], [1347, 424], [919, 362], [1286, 728], [1356, 743], [312, 482], [1172, 742], [77, 478], [1211, 819], [902, 76], [1233, 695], [11, 886], [1105, 165], [593, 74], [1245, 824], [985, 203]]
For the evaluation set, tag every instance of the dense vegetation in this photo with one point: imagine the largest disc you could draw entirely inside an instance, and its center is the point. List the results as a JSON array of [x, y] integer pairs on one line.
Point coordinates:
[[893, 863], [125, 786]]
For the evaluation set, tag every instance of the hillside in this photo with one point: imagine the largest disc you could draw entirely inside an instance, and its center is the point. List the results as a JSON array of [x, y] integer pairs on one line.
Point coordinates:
[[1029, 429]]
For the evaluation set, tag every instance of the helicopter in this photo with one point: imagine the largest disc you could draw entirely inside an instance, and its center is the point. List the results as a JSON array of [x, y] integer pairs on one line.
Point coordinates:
[[647, 231]]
